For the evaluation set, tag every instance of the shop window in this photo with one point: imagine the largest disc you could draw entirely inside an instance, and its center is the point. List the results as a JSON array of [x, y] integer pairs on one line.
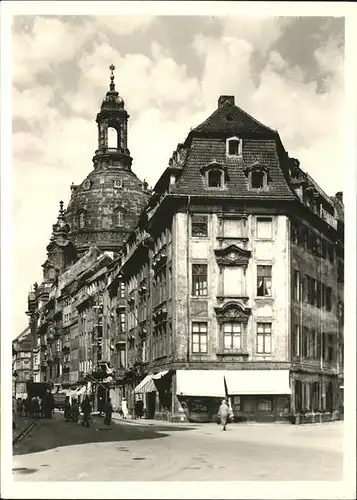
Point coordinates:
[[232, 336], [264, 404], [264, 228], [264, 338], [199, 337], [264, 274], [199, 279], [199, 227]]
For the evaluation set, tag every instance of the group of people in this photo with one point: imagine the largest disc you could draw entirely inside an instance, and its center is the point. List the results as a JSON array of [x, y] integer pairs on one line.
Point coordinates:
[[81, 412], [35, 407]]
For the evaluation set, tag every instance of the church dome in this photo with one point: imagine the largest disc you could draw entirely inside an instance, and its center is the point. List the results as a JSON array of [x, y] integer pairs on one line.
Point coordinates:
[[106, 206]]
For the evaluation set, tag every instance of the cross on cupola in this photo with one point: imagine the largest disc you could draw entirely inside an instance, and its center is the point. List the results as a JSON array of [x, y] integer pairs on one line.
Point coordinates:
[[112, 123], [112, 84]]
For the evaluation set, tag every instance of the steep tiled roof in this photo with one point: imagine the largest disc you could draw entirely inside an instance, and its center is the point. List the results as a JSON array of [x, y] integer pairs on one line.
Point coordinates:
[[232, 120], [204, 150]]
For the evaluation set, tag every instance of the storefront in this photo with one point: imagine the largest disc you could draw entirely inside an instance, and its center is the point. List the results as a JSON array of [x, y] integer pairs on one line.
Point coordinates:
[[259, 395], [156, 392]]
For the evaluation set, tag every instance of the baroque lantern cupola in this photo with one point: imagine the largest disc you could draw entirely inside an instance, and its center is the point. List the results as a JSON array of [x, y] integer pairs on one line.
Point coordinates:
[[112, 123], [105, 207]]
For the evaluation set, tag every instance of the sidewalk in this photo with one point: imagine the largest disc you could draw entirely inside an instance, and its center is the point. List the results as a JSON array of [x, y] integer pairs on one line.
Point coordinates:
[[150, 422]]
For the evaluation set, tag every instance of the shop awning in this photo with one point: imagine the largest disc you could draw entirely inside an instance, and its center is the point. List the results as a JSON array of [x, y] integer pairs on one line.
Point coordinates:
[[200, 383], [146, 385], [256, 382], [79, 391]]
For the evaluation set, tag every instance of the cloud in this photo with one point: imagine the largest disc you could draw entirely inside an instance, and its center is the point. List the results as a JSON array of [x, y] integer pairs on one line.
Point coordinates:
[[61, 75]]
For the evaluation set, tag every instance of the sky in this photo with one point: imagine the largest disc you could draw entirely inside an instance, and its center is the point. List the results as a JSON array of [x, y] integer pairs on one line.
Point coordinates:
[[288, 72]]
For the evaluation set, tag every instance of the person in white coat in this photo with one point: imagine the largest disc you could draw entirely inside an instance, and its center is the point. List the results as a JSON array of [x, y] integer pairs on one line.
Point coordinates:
[[124, 408]]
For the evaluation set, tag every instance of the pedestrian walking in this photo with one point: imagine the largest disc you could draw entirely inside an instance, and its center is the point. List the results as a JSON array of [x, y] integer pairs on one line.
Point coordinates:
[[124, 408], [74, 411], [223, 413], [108, 412], [27, 407], [67, 409], [101, 406], [86, 409], [139, 405]]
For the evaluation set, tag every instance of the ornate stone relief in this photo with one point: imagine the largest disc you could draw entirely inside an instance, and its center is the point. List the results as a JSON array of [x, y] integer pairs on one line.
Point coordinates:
[[232, 256], [232, 311]]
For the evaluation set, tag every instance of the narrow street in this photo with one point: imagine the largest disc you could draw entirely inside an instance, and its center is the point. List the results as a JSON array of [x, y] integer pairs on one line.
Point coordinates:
[[62, 451]]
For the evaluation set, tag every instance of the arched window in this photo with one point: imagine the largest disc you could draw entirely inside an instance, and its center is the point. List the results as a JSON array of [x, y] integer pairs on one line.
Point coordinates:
[[82, 219], [119, 218], [112, 138], [257, 176], [215, 178]]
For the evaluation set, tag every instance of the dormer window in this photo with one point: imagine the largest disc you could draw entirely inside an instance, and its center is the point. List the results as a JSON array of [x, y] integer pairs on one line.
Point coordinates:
[[257, 179], [215, 178], [257, 176], [214, 175], [86, 184], [118, 183], [234, 147]]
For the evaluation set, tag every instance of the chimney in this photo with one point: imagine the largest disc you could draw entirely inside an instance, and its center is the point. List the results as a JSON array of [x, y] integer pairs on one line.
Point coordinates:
[[225, 98], [339, 196]]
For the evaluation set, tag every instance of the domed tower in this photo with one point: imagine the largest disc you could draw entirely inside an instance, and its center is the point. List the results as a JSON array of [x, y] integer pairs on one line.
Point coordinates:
[[105, 207]]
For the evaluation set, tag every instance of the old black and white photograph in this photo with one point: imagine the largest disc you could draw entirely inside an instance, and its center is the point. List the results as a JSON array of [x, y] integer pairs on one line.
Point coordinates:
[[177, 189]]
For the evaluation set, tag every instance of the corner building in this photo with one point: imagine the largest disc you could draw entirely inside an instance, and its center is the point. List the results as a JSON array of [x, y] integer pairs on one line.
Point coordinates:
[[234, 281]]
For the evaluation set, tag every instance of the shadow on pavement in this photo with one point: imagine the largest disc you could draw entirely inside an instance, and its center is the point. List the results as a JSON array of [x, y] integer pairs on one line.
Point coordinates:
[[55, 433]]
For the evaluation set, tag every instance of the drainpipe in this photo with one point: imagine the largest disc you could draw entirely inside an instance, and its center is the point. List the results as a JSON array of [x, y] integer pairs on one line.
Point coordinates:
[[188, 279]]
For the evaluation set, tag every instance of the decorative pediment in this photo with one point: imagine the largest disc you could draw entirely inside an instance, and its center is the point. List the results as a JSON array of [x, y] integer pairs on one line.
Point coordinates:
[[232, 311], [256, 166], [213, 165], [232, 256]]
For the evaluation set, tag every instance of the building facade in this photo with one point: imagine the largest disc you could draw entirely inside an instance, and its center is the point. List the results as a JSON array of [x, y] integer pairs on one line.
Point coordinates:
[[225, 280], [232, 280], [22, 363]]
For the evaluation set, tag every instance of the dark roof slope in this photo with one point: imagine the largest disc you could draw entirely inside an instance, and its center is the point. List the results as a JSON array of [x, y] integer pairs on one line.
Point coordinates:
[[204, 150], [232, 120]]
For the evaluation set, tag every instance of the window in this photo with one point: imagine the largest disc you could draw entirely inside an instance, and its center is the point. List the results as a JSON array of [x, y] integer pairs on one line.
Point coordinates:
[[121, 290], [233, 228], [199, 279], [82, 219], [311, 284], [264, 405], [263, 338], [199, 337], [296, 341], [257, 179], [122, 322], [318, 294], [264, 281], [305, 342], [122, 358], [296, 284], [264, 228], [328, 291], [112, 138], [232, 335], [199, 227], [233, 281], [215, 178], [119, 216], [234, 147]]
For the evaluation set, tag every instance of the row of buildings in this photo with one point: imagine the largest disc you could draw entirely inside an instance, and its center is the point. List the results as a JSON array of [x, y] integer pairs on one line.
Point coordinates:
[[226, 278]]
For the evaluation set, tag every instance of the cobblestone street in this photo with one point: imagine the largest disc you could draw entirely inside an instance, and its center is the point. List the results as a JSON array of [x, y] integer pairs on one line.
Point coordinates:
[[142, 451]]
